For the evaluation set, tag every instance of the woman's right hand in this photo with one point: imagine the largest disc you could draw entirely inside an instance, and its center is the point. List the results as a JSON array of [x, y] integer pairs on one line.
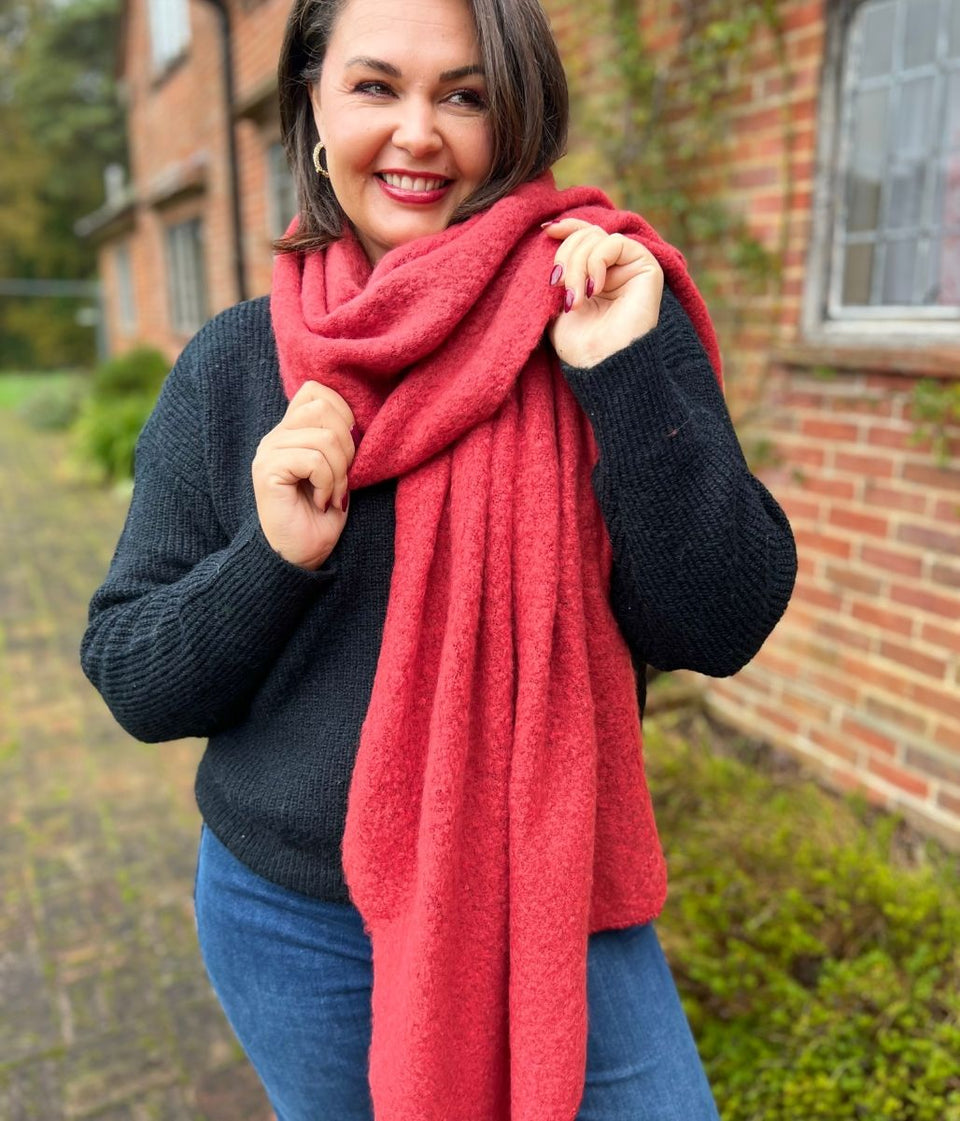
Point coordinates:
[[300, 476]]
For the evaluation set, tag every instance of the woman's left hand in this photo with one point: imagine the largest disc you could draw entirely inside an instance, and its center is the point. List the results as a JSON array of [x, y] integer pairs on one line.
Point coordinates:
[[613, 286]]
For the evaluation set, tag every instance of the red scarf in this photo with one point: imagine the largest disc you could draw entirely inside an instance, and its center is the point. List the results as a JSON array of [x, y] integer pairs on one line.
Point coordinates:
[[498, 811]]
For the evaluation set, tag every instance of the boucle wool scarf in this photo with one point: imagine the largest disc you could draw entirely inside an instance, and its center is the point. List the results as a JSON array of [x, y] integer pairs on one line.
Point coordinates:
[[498, 811]]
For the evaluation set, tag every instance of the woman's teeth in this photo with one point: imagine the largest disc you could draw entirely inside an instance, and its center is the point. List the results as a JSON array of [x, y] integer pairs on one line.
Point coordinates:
[[406, 183]]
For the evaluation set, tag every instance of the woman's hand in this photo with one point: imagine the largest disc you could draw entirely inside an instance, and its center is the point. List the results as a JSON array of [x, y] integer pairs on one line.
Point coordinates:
[[300, 476], [613, 287]]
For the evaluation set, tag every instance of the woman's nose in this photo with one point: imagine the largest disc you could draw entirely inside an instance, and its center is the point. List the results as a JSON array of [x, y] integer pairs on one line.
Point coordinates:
[[416, 130]]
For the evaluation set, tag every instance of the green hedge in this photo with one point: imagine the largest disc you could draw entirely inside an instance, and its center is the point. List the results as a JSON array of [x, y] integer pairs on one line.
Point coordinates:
[[817, 954], [122, 396]]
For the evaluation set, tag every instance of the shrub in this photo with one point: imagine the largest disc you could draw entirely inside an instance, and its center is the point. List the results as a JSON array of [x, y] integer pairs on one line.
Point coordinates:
[[53, 406], [123, 393], [138, 371], [819, 969]]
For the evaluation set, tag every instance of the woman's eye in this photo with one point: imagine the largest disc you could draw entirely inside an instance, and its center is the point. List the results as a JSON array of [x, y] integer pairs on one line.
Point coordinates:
[[470, 99], [377, 89]]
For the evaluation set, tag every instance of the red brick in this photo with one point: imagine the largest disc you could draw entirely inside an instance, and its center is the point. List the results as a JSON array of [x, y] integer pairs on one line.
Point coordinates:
[[869, 736], [832, 430], [946, 574], [843, 636], [902, 779], [853, 581], [883, 618], [836, 745], [859, 523], [894, 714], [831, 488], [945, 700], [808, 593], [805, 707], [892, 499], [930, 764], [901, 439], [865, 466], [914, 659], [948, 801], [807, 539], [947, 510], [929, 538], [838, 688], [779, 718], [942, 606], [948, 736], [901, 563], [939, 478], [941, 636]]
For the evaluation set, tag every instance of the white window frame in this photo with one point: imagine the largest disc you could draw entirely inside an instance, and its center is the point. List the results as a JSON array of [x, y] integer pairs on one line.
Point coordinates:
[[276, 189], [126, 299], [186, 275], [169, 31], [825, 318]]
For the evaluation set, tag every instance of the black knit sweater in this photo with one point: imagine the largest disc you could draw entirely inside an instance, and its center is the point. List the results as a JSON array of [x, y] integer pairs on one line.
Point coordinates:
[[201, 629]]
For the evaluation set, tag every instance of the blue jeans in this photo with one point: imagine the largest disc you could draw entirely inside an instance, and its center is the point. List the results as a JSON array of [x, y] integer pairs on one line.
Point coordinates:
[[294, 976]]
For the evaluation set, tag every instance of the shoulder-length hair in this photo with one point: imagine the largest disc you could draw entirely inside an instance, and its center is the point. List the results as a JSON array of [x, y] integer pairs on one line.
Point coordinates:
[[526, 93]]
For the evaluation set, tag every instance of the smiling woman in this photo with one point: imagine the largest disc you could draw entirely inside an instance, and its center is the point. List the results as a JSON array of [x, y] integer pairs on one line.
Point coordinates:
[[401, 541]]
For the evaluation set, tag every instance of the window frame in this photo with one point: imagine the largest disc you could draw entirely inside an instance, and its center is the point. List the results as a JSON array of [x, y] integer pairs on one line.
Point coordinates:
[[169, 29], [124, 287], [187, 295], [825, 321]]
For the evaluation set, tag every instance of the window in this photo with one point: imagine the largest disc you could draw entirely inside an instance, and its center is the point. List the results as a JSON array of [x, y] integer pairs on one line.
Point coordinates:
[[185, 276], [889, 232], [281, 189], [169, 30], [126, 308]]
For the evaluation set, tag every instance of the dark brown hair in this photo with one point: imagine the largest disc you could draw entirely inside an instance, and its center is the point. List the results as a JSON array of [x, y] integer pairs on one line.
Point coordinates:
[[526, 91]]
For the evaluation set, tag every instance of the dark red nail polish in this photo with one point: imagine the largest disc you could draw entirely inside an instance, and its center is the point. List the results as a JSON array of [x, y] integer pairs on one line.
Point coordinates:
[[589, 288], [556, 274], [568, 299], [345, 501]]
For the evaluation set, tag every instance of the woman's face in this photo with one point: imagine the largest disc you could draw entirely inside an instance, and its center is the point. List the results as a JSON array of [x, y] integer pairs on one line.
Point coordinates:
[[401, 109]]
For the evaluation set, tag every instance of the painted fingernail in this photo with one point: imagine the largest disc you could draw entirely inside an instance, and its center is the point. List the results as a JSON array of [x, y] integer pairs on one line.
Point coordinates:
[[345, 501], [589, 288], [552, 222], [355, 434], [568, 299], [556, 274]]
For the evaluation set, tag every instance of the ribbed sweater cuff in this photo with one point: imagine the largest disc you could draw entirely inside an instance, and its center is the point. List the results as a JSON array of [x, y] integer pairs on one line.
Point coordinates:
[[631, 392]]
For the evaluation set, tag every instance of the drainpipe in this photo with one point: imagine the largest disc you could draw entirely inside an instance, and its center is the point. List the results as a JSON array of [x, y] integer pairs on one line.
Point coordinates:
[[226, 66]]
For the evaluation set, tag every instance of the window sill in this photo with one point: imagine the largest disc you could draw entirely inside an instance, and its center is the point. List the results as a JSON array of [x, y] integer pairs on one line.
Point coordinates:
[[938, 358]]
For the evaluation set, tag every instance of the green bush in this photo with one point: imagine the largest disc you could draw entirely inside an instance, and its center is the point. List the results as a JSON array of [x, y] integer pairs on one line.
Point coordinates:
[[123, 393], [53, 406], [819, 963], [139, 371]]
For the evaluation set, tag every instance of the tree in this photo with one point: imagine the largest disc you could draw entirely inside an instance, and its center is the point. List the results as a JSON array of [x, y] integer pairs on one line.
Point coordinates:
[[62, 123]]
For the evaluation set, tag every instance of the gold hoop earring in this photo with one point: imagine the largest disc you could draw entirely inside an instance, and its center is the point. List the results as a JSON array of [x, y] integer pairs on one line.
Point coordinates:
[[321, 170]]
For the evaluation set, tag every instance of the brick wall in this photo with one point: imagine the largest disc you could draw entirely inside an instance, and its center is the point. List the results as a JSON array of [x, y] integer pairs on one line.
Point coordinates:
[[862, 677]]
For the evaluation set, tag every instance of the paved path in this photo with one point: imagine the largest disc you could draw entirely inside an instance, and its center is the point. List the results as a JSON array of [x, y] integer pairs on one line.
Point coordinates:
[[105, 1011]]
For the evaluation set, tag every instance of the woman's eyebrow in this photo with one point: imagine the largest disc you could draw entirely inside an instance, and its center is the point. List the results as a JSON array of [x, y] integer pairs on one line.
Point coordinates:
[[392, 71]]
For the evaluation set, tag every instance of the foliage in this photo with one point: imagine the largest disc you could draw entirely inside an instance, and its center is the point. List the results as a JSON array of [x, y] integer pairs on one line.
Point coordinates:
[[652, 161], [123, 393], [62, 124], [818, 959], [53, 405], [935, 407], [16, 389]]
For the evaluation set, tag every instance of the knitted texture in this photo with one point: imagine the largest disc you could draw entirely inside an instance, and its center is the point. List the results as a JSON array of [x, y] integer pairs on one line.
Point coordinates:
[[498, 810]]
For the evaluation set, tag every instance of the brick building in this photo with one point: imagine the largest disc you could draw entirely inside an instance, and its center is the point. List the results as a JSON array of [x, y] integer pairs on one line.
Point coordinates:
[[840, 150]]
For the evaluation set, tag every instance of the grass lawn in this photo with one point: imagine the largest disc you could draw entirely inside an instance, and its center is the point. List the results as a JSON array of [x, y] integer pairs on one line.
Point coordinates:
[[16, 388]]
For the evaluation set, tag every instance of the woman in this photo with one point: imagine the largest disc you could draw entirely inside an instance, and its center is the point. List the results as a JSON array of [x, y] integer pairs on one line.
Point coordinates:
[[491, 469]]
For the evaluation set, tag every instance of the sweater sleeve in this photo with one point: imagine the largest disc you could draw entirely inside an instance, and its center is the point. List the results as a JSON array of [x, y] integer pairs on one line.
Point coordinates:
[[704, 560], [189, 618]]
